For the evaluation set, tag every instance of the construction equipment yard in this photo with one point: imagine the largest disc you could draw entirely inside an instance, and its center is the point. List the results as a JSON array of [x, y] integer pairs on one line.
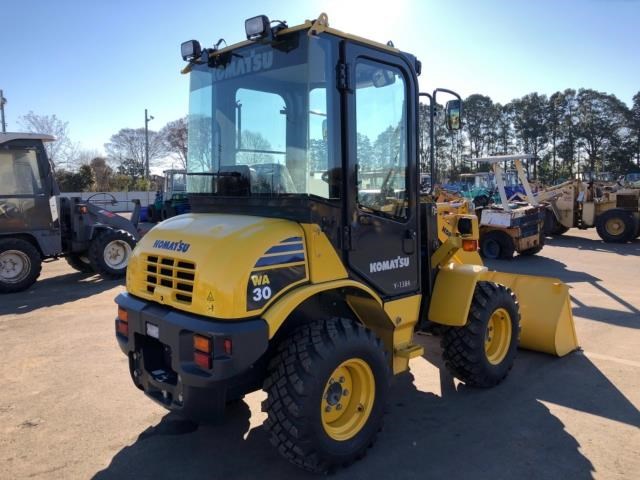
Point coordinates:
[[68, 408]]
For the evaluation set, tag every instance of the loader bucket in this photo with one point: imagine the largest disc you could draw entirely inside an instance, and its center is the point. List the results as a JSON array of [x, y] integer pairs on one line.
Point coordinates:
[[546, 321]]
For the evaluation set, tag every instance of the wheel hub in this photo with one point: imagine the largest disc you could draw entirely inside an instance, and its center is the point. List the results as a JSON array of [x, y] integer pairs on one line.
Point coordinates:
[[347, 400], [498, 336], [116, 254], [614, 226], [14, 266]]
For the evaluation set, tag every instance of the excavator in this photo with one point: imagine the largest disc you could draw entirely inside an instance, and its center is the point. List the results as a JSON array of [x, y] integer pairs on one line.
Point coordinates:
[[285, 277]]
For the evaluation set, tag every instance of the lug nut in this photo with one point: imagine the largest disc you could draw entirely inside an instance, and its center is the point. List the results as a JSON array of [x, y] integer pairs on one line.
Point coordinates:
[[327, 408], [360, 407], [339, 406], [345, 392], [341, 379]]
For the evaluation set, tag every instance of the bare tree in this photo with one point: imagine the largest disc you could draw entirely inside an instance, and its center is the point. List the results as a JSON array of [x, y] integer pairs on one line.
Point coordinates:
[[57, 151], [174, 138], [128, 145]]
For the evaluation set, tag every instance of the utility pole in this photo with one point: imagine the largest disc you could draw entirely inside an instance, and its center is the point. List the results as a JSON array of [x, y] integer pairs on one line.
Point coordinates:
[[147, 119], [2, 102]]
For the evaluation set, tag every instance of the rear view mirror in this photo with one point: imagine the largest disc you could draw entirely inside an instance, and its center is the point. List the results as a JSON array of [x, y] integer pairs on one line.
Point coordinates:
[[382, 77], [453, 112]]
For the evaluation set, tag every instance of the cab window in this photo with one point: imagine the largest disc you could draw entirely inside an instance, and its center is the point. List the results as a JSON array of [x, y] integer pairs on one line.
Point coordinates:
[[19, 174], [381, 144]]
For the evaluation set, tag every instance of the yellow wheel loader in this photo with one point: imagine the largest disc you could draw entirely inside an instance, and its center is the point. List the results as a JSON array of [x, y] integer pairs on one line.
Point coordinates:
[[284, 278]]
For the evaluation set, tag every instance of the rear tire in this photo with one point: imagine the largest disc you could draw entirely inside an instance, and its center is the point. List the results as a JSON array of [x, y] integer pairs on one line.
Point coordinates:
[[80, 263], [483, 351], [496, 244], [327, 390], [616, 226], [110, 252], [20, 265]]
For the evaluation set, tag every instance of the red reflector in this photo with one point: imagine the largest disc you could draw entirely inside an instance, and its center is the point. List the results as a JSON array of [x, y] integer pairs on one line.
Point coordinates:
[[122, 327], [203, 360], [228, 346], [470, 245]]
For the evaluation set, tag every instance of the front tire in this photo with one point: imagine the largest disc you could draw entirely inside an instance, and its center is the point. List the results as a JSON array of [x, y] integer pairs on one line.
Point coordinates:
[[483, 351], [20, 265], [110, 252], [327, 390], [616, 226], [551, 224]]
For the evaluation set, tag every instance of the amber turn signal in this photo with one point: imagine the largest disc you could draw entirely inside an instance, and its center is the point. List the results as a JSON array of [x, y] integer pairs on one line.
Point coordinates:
[[202, 343], [470, 245]]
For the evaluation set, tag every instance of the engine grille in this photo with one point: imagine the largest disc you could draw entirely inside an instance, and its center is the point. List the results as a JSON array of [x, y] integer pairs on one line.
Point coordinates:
[[173, 273]]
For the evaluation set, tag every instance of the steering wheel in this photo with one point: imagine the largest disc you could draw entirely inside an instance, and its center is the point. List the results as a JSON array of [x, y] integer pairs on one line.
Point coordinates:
[[103, 200]]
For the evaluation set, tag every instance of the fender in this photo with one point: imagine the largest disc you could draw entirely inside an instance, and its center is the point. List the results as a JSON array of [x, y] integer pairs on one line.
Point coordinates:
[[283, 307], [453, 292]]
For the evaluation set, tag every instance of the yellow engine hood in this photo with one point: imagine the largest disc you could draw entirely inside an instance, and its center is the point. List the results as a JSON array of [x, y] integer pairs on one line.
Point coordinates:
[[222, 266]]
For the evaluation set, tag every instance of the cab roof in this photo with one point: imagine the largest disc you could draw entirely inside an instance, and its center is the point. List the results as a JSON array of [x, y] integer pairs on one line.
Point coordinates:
[[9, 136]]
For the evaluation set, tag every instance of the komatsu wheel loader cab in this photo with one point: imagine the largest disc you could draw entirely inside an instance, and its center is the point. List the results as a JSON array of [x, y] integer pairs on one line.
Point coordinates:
[[291, 274]]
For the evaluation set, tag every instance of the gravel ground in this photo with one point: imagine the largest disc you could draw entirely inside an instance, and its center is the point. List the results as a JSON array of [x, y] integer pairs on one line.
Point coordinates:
[[69, 410]]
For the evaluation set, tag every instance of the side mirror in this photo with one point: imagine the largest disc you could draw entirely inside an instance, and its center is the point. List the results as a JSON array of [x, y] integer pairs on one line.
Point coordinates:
[[453, 112]]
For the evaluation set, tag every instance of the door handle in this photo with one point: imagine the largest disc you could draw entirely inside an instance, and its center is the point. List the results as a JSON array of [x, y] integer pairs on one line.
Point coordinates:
[[409, 242]]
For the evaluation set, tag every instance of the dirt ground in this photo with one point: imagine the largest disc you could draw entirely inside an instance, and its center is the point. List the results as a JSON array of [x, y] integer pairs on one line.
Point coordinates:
[[68, 408]]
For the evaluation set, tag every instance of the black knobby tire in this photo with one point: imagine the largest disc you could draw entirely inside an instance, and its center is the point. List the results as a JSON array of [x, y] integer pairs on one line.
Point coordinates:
[[20, 265], [620, 217], [295, 386], [464, 349], [496, 244], [534, 250], [551, 224], [80, 263], [117, 264], [152, 214]]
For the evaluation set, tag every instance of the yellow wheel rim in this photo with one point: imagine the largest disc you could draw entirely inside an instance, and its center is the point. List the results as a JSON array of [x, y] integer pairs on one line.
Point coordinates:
[[348, 399], [614, 226], [498, 336]]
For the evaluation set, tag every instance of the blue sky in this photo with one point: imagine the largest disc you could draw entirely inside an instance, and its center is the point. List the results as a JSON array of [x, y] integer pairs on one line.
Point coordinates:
[[98, 65]]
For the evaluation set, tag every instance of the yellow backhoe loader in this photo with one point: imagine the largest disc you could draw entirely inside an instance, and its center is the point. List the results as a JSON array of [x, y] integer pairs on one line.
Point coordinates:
[[284, 277]]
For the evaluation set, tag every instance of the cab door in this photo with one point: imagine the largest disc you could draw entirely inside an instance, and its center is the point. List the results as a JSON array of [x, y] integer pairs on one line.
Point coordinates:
[[381, 166]]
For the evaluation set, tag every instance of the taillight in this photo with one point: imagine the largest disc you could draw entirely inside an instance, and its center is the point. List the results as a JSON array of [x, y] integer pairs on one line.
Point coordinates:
[[228, 346], [202, 349], [122, 322]]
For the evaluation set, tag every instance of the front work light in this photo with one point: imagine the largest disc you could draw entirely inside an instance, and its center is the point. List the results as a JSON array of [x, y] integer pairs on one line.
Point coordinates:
[[257, 27], [190, 50]]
